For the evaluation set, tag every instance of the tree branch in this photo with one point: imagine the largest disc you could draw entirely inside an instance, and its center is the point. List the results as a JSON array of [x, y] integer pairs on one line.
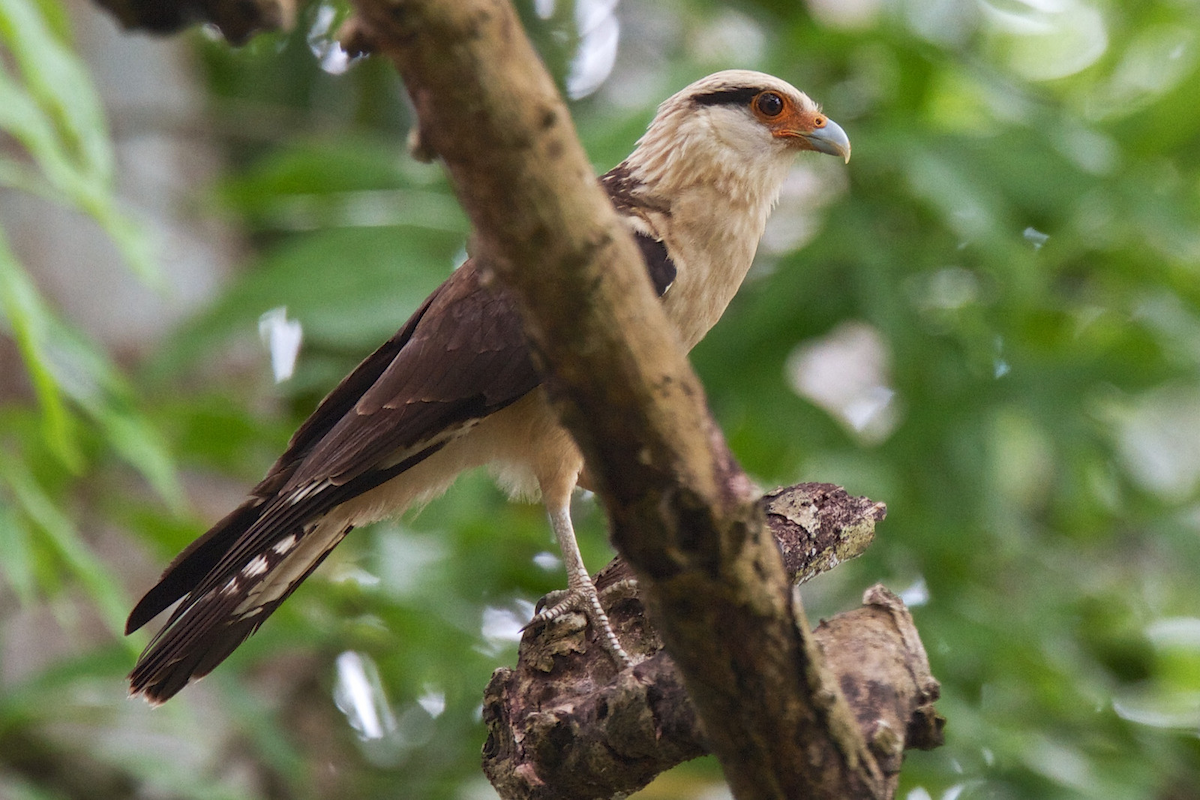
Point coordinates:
[[559, 727], [682, 512], [237, 20]]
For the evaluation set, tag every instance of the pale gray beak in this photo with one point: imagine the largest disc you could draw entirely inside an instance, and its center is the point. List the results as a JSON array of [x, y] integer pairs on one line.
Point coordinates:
[[831, 139]]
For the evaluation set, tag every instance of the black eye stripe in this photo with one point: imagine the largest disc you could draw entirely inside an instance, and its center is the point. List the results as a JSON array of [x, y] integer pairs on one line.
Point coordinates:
[[726, 97]]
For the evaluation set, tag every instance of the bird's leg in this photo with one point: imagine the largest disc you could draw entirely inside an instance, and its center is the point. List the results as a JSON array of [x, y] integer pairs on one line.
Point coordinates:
[[581, 592]]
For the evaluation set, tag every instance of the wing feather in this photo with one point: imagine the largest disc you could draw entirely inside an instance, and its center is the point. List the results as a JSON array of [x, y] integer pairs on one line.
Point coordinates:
[[460, 357], [377, 410]]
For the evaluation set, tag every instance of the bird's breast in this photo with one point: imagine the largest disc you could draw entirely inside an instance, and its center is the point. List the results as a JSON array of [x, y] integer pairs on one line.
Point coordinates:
[[712, 257]]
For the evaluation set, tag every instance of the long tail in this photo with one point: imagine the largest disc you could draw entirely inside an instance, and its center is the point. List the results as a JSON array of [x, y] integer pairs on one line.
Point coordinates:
[[230, 580]]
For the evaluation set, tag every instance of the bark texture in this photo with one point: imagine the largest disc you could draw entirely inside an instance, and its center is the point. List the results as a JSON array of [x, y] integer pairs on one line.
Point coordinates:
[[564, 725], [682, 512]]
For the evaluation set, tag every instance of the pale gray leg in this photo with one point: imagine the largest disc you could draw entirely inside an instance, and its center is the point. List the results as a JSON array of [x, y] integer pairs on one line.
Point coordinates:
[[581, 592]]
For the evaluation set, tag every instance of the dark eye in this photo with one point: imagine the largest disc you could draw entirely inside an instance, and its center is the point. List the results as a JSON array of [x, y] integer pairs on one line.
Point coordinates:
[[769, 104]]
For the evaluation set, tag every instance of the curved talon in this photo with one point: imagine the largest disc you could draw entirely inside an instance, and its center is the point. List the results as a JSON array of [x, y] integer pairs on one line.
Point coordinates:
[[587, 602], [568, 603], [552, 598]]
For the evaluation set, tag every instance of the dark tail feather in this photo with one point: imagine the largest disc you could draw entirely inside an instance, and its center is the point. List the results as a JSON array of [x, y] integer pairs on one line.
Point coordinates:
[[234, 576], [168, 665], [220, 611], [194, 564]]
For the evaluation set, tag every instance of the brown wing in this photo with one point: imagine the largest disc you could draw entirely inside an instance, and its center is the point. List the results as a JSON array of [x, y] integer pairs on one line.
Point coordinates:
[[463, 359], [460, 357]]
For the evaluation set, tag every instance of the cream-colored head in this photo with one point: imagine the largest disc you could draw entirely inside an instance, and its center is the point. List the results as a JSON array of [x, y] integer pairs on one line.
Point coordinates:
[[737, 130]]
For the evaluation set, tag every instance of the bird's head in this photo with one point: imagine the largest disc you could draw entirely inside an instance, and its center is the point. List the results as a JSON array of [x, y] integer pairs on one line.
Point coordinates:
[[738, 127]]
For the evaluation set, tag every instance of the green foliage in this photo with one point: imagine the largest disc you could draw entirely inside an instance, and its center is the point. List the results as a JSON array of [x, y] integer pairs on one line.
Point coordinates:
[[1015, 239], [49, 109]]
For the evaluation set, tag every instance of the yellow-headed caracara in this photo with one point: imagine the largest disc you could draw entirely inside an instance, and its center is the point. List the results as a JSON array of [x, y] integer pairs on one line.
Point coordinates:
[[455, 387]]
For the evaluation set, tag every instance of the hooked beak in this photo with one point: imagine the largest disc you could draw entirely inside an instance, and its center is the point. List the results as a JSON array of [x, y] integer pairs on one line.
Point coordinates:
[[830, 139]]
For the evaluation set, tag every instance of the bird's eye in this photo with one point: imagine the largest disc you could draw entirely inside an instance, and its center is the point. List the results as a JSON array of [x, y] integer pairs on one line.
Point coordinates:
[[769, 104]]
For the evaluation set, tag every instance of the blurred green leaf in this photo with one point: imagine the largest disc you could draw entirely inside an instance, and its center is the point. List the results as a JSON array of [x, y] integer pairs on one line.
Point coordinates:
[[90, 379], [108, 596], [60, 363], [59, 83], [18, 789], [394, 268], [55, 114], [17, 565], [30, 323]]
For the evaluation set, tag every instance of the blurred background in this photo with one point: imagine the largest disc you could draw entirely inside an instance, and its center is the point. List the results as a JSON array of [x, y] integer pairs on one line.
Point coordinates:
[[990, 321]]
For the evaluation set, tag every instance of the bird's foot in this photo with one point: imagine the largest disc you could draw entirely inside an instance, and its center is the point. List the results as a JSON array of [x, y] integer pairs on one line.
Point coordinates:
[[585, 599], [623, 589]]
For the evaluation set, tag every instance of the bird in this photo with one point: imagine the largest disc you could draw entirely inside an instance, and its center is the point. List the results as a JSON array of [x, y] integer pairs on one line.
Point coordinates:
[[455, 388]]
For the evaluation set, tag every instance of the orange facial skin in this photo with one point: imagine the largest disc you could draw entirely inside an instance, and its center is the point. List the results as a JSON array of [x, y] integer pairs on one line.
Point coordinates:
[[810, 129]]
